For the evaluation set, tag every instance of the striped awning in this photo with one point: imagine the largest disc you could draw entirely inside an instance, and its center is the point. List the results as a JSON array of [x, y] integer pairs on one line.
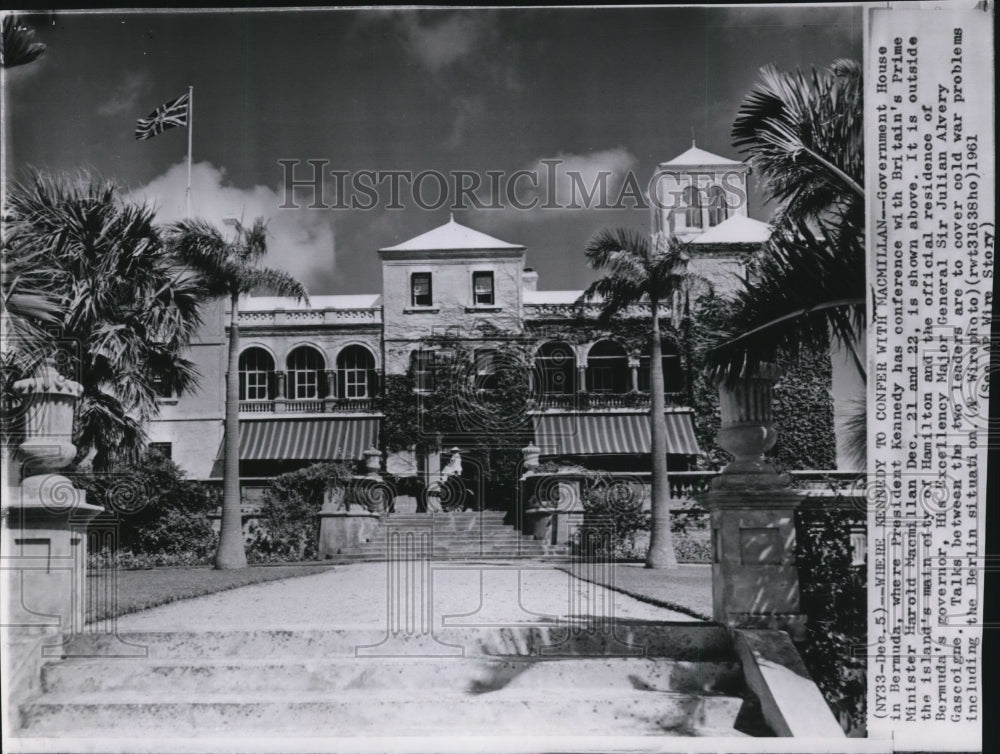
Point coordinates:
[[599, 434], [306, 439]]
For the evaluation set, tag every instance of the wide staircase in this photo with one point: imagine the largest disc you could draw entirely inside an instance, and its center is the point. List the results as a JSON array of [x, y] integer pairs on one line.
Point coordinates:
[[637, 679], [450, 536]]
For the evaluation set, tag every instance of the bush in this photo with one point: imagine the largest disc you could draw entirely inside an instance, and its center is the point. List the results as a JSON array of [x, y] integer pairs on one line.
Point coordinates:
[[287, 527], [834, 598], [155, 509]]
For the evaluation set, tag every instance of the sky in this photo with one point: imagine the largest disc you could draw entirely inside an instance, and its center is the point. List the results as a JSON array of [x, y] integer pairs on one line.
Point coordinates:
[[615, 89]]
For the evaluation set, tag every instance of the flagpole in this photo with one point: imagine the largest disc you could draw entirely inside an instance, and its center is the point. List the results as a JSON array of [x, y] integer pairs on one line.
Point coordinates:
[[190, 134]]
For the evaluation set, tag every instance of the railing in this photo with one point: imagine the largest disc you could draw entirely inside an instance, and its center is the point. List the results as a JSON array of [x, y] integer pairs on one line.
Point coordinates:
[[310, 317], [574, 310], [582, 401], [324, 406]]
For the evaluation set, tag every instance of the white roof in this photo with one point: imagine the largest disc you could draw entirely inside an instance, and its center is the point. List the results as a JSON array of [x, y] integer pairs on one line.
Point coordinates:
[[269, 303], [551, 297], [736, 229], [452, 235], [695, 156]]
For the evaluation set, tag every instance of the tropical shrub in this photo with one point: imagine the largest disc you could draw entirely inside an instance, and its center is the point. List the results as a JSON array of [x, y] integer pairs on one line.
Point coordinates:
[[155, 510], [287, 527], [834, 599]]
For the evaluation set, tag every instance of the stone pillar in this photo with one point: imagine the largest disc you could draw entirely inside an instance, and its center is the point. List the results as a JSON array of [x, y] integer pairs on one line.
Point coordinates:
[[633, 365], [281, 398], [755, 582], [581, 378], [45, 518]]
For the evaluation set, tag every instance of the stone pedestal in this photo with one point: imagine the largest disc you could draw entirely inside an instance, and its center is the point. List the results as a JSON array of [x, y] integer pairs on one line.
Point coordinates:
[[340, 530], [755, 582], [45, 555]]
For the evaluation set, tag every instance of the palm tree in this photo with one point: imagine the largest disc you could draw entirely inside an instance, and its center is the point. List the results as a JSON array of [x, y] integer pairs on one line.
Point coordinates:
[[88, 282], [638, 271], [19, 46], [803, 134], [230, 267]]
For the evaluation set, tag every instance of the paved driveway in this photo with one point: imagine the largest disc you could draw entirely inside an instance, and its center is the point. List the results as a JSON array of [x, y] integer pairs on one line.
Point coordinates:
[[472, 594]]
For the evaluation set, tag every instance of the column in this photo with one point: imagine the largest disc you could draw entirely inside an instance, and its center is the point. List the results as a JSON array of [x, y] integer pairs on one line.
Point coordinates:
[[633, 365], [755, 582], [331, 390], [281, 398]]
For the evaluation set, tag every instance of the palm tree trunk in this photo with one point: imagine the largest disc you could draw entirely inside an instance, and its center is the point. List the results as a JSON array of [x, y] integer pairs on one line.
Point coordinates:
[[661, 546], [231, 553]]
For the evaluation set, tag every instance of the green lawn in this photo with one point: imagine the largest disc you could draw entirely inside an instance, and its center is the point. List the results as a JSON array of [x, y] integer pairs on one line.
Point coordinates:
[[140, 589]]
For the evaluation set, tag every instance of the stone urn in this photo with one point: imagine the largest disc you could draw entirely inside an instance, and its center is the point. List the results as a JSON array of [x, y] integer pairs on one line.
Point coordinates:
[[747, 432], [531, 457], [49, 399], [373, 461]]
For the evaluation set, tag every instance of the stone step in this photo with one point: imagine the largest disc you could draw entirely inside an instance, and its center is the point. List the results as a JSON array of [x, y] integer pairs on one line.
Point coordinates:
[[678, 641], [473, 675], [547, 711]]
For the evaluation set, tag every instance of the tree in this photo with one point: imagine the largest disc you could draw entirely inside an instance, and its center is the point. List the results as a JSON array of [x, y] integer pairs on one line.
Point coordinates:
[[88, 282], [19, 44], [230, 267], [638, 271], [804, 135]]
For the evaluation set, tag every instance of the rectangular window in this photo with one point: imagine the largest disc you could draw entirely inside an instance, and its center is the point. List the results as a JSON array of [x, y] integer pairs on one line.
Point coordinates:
[[165, 449], [161, 388], [420, 289], [356, 383], [486, 375], [255, 386], [482, 288], [423, 371]]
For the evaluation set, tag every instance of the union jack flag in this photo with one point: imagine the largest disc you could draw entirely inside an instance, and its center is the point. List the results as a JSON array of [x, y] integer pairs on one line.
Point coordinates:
[[170, 115]]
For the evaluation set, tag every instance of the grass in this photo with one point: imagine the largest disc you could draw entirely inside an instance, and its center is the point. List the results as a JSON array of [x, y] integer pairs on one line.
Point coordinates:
[[686, 589], [141, 589]]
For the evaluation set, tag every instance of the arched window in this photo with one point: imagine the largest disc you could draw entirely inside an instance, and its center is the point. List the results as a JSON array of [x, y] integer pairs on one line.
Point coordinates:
[[305, 373], [718, 205], [422, 364], [692, 207], [555, 369], [607, 368], [356, 372], [673, 376], [256, 375]]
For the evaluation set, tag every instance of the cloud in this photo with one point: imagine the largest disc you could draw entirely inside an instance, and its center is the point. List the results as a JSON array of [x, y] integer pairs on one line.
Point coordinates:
[[126, 96], [301, 241], [442, 43]]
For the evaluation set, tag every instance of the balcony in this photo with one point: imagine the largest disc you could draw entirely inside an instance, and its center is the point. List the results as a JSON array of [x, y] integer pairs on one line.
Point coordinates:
[[322, 406], [585, 401]]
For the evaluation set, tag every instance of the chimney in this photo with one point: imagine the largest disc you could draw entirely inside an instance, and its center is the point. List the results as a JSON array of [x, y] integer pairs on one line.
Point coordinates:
[[529, 279]]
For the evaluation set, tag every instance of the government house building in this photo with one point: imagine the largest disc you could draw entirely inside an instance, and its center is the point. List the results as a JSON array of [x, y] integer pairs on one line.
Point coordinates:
[[311, 375]]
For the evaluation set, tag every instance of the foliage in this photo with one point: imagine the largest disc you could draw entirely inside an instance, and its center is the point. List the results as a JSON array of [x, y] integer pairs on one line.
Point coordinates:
[[158, 513], [87, 281], [803, 134], [803, 390], [19, 45], [834, 597], [287, 527]]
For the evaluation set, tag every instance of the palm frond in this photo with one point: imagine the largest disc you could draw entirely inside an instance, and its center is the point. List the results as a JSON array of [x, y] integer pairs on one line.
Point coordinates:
[[809, 281], [267, 280], [19, 44], [803, 133]]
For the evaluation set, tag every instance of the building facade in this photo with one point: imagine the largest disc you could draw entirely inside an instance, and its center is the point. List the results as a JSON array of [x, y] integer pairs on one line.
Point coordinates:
[[311, 376]]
